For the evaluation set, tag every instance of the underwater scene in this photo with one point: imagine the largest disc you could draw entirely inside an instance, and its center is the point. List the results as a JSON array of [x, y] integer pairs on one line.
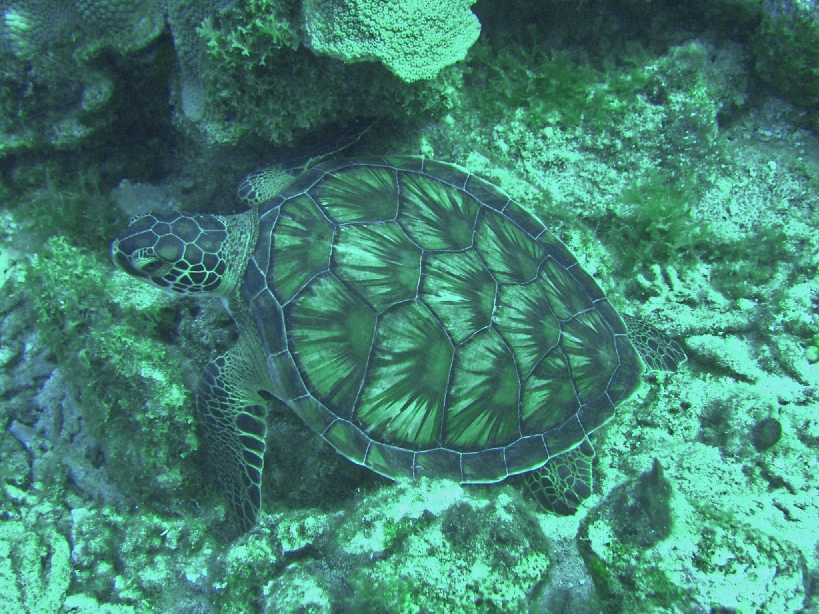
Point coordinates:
[[409, 306]]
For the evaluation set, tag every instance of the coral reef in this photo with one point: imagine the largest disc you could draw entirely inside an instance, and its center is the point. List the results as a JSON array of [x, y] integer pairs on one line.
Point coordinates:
[[707, 559], [95, 328], [235, 69], [58, 91], [640, 132], [415, 40], [261, 82]]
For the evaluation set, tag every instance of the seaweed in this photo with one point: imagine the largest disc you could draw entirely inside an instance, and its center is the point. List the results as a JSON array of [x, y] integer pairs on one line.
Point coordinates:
[[553, 87], [655, 225]]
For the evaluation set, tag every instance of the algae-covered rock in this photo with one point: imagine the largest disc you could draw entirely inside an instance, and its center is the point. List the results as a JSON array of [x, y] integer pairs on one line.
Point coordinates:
[[707, 560], [643, 509], [431, 546], [438, 548], [34, 568], [262, 82], [787, 48]]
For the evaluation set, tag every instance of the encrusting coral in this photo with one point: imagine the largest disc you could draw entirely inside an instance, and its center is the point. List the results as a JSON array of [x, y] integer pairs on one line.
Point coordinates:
[[415, 40]]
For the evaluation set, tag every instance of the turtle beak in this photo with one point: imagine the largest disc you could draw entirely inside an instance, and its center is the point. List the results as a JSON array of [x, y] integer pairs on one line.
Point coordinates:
[[121, 261]]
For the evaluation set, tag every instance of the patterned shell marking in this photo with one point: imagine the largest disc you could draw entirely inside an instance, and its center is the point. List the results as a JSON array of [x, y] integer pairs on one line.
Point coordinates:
[[425, 324]]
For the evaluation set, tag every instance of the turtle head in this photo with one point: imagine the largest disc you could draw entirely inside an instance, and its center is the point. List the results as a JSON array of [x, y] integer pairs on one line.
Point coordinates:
[[186, 254]]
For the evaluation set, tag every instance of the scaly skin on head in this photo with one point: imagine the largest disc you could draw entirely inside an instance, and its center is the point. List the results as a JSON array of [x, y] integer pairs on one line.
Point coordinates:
[[187, 254]]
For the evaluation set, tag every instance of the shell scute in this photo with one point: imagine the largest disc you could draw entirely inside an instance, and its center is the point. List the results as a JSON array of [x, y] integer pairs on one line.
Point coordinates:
[[486, 193], [301, 246], [555, 248], [314, 414], [407, 379], [378, 261], [460, 290], [441, 172], [549, 396], [612, 318], [595, 414], [348, 440], [567, 436], [266, 313], [592, 354], [299, 185], [261, 254], [439, 463], [524, 317], [587, 283], [484, 467], [330, 336], [358, 194], [410, 164], [511, 255], [484, 394], [524, 219], [565, 295], [390, 460], [628, 372], [526, 454], [436, 216], [425, 324], [289, 386]]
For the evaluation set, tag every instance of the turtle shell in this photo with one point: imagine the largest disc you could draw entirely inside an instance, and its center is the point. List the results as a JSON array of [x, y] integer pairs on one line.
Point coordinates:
[[424, 324]]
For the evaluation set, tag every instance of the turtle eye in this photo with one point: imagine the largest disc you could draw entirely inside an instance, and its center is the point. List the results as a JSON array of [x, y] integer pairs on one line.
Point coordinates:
[[152, 266]]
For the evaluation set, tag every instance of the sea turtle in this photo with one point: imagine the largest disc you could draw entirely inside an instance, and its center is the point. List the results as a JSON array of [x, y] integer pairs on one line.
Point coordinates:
[[413, 315]]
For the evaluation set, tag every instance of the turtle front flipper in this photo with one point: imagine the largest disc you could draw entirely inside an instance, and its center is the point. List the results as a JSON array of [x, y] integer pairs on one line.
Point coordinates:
[[659, 351], [563, 483], [232, 417]]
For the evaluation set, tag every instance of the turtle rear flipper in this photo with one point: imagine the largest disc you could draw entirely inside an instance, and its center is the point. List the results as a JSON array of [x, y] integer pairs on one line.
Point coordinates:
[[659, 351], [233, 422], [563, 483]]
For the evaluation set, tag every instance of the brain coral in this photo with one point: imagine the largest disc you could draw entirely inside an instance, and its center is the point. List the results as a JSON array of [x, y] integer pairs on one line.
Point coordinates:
[[415, 39]]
